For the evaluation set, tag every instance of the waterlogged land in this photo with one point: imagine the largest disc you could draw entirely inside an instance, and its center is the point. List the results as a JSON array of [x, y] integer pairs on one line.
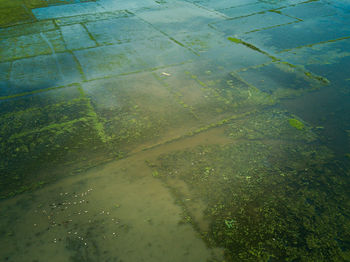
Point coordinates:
[[174, 130]]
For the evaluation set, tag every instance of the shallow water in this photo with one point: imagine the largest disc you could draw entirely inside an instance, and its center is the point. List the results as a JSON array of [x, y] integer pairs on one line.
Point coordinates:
[[174, 130]]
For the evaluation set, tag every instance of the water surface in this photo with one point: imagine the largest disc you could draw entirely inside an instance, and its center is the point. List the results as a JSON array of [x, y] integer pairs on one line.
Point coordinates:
[[174, 130]]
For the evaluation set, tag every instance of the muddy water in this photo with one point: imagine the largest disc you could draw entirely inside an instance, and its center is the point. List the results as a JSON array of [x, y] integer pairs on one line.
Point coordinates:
[[116, 212]]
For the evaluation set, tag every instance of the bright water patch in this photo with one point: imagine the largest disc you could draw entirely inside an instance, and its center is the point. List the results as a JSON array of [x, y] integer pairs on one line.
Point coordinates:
[[110, 60], [42, 72], [175, 17], [300, 34], [90, 17], [53, 54], [76, 37], [252, 23], [224, 3], [67, 10], [278, 78], [245, 10], [125, 29], [310, 10], [112, 5]]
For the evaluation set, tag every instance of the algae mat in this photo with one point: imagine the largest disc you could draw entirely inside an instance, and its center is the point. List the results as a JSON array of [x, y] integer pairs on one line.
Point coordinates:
[[256, 188], [158, 130], [271, 194]]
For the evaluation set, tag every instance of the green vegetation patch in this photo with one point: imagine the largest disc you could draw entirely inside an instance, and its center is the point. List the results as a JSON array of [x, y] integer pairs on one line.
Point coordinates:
[[14, 15], [42, 140], [296, 123], [34, 118], [267, 198], [271, 124], [235, 40]]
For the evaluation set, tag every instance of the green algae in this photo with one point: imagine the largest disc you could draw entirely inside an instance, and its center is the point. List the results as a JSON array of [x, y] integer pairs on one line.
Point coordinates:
[[155, 174], [319, 78], [230, 223], [34, 119], [300, 72], [251, 202], [235, 40], [276, 11], [25, 155], [269, 124], [238, 220], [249, 188], [91, 114], [14, 15], [296, 123], [198, 44], [63, 133]]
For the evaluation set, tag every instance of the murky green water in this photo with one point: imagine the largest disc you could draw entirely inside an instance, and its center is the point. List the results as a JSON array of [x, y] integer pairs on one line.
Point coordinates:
[[174, 131]]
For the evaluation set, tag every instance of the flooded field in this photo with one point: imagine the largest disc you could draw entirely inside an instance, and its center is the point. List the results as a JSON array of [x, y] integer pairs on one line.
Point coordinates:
[[174, 130]]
